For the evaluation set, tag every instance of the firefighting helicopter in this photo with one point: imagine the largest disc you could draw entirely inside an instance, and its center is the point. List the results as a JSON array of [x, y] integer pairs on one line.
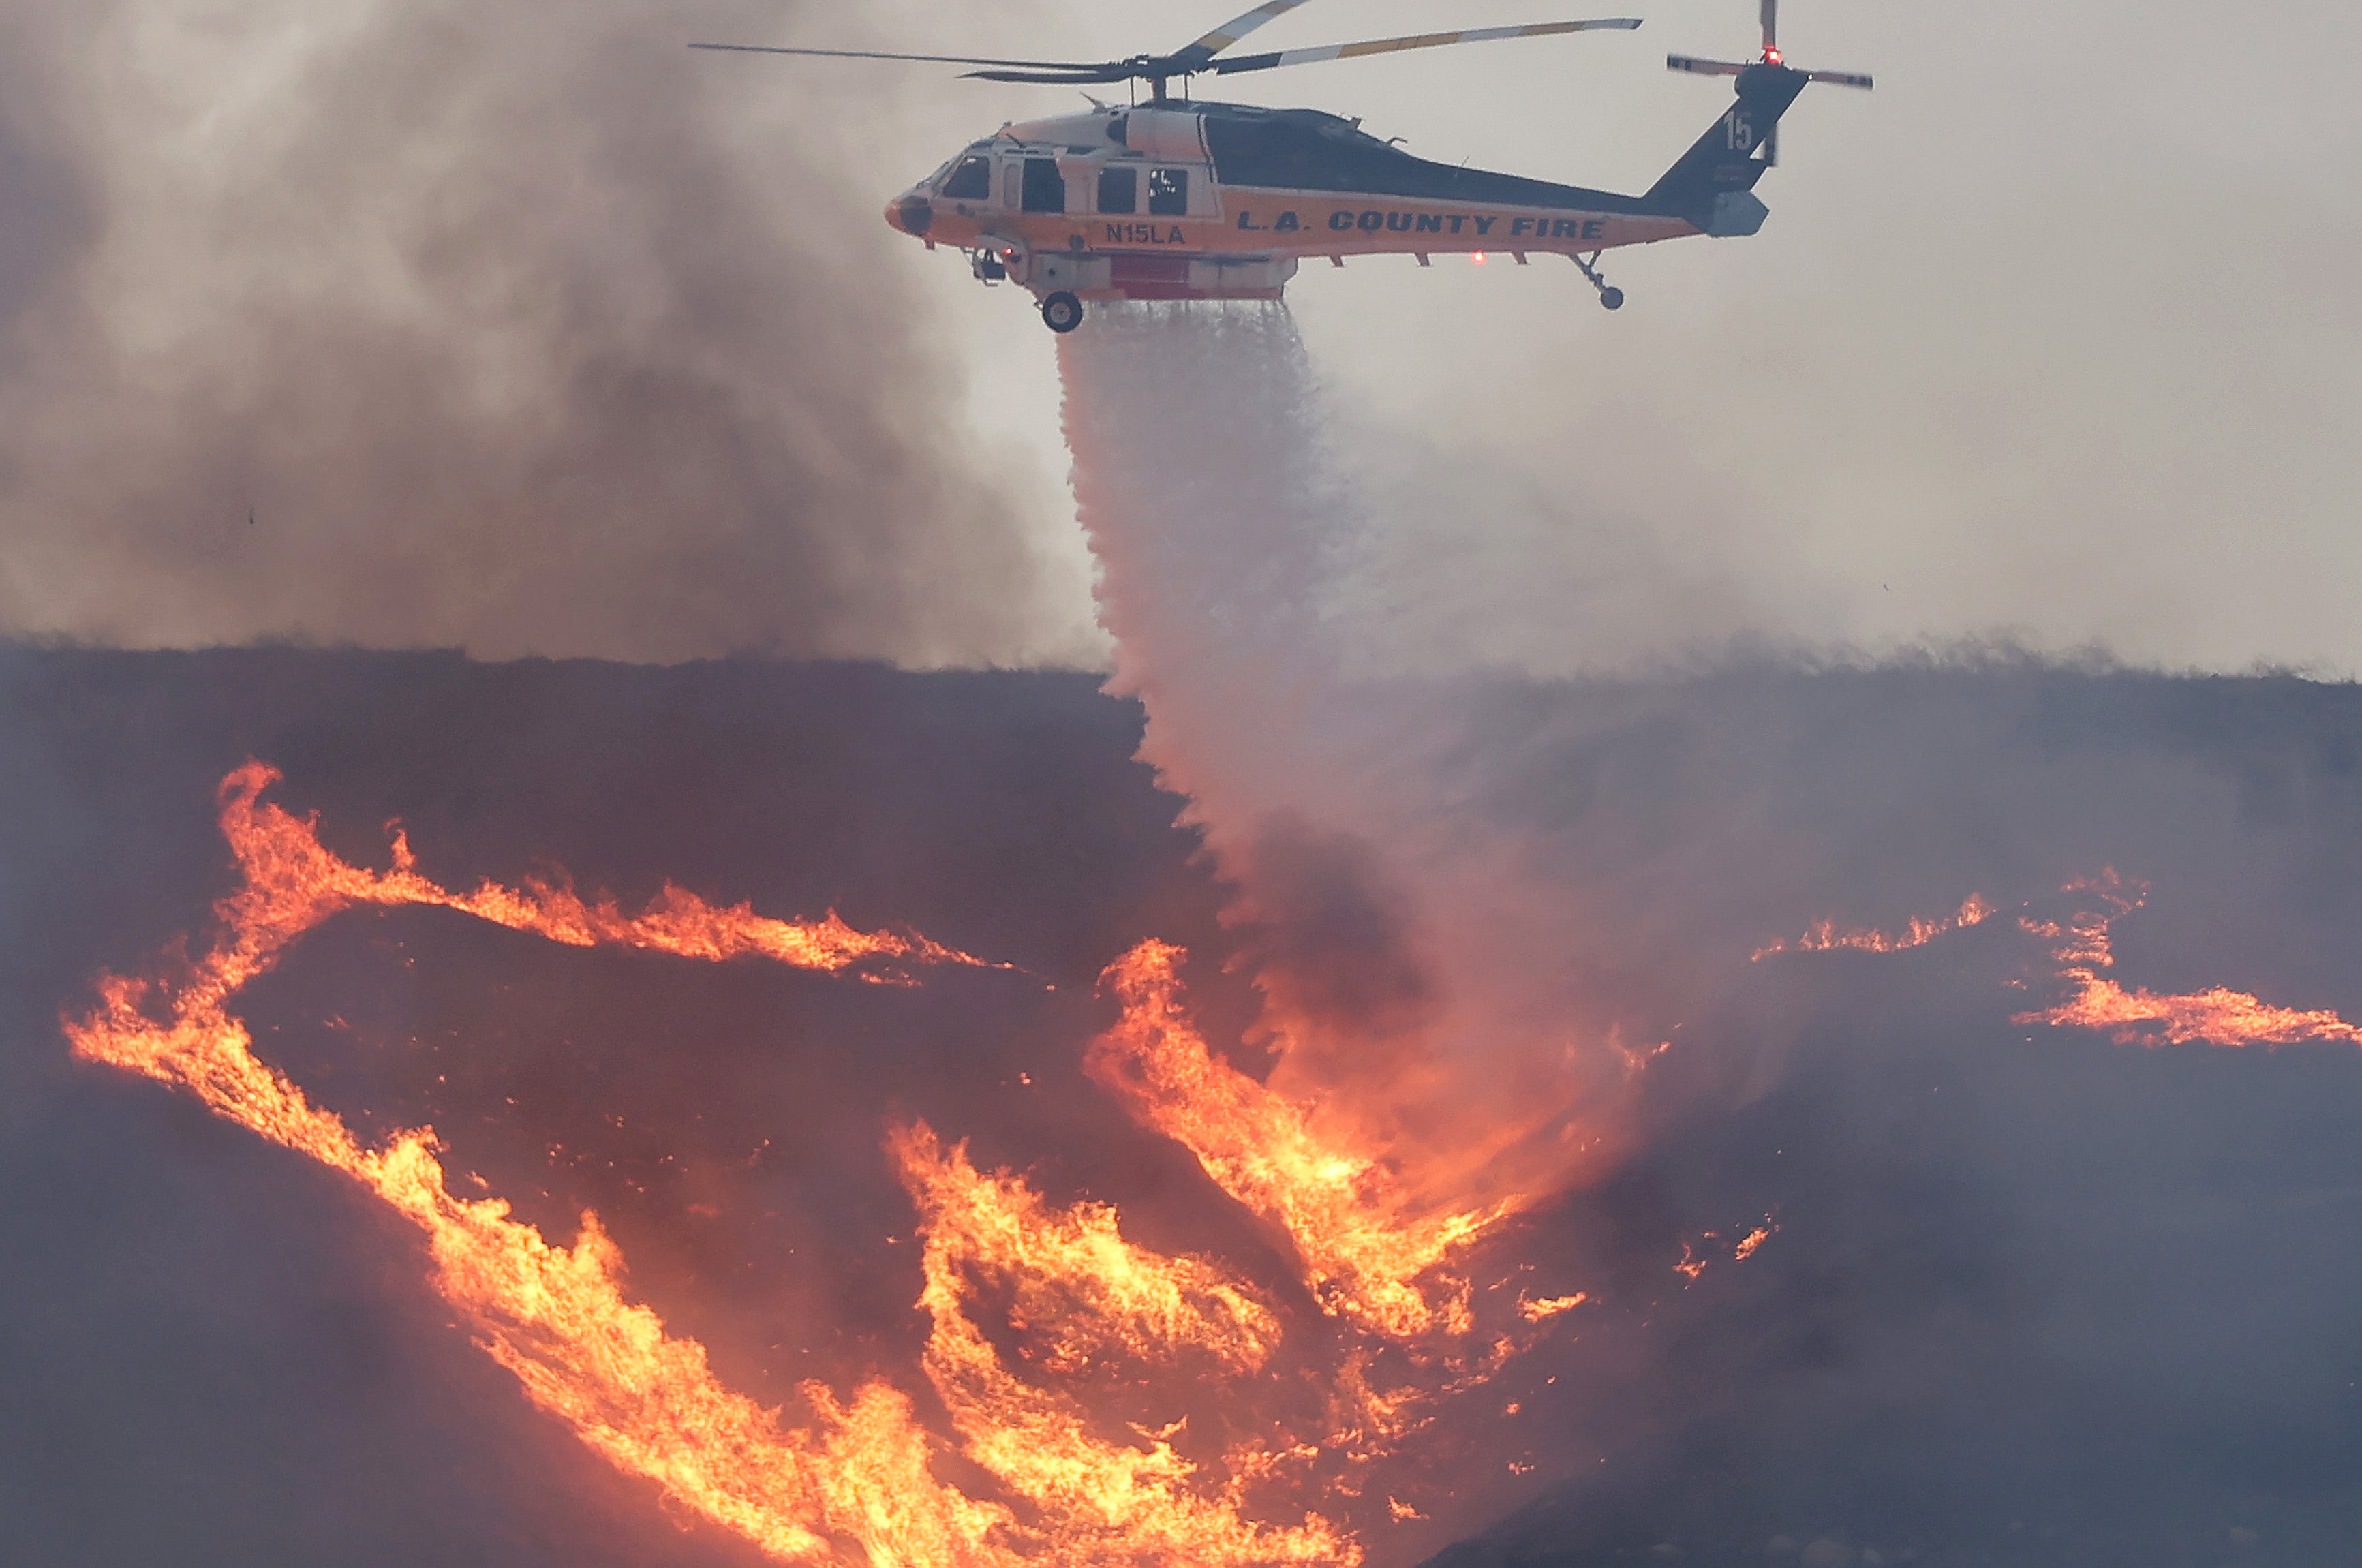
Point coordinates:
[[1181, 200]]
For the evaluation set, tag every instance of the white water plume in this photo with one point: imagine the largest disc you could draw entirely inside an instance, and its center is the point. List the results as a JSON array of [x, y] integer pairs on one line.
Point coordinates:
[[1416, 960]]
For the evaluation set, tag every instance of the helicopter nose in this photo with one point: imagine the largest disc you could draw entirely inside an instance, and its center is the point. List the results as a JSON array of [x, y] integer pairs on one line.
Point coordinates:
[[913, 215]]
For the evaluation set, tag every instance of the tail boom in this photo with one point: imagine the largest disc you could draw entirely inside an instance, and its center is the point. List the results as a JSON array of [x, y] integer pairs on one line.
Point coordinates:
[[1712, 186]]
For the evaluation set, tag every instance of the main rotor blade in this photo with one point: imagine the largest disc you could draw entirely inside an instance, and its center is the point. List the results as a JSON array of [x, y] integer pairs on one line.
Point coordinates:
[[1770, 27], [1840, 78], [1702, 67], [924, 58], [1421, 40], [1194, 56], [1062, 75]]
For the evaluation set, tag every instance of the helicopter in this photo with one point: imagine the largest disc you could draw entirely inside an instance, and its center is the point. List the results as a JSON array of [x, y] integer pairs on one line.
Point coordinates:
[[1175, 199]]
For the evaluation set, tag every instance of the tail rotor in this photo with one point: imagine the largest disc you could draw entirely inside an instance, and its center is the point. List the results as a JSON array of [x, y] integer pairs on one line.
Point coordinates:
[[1770, 57]]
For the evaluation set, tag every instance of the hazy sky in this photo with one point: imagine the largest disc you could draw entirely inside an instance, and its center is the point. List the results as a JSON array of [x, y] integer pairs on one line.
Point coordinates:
[[544, 338]]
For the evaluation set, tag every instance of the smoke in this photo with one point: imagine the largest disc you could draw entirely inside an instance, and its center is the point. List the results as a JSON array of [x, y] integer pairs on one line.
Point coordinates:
[[477, 326]]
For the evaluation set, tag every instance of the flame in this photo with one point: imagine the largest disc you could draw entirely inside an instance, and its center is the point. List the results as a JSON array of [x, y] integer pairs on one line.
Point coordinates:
[[853, 1479], [2080, 944], [556, 1317], [1365, 1254], [2216, 1016], [292, 883], [1075, 1282], [1550, 1306], [1824, 937], [1102, 1500]]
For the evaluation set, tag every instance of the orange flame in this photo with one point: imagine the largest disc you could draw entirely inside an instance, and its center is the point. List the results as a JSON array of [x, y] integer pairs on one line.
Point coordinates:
[[2082, 946], [1550, 1306], [2216, 1016], [1076, 1282], [292, 883], [1104, 1501], [1825, 936], [556, 1317], [1365, 1254], [856, 1481]]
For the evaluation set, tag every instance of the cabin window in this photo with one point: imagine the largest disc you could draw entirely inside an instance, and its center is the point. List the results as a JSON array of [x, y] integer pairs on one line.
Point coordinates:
[[971, 182], [1168, 193], [1118, 189], [1045, 188]]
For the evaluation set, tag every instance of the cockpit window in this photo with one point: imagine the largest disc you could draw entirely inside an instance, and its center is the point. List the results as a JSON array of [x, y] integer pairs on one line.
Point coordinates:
[[1168, 193], [971, 182]]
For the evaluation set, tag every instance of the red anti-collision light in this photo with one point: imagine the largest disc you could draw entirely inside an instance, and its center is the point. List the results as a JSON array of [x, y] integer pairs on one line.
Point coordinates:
[[1770, 57]]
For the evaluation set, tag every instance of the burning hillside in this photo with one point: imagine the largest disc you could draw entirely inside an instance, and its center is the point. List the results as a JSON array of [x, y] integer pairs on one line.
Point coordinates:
[[840, 1117], [1008, 1263]]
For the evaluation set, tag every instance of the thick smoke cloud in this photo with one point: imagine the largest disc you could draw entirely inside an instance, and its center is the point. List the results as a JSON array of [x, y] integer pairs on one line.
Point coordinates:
[[474, 324]]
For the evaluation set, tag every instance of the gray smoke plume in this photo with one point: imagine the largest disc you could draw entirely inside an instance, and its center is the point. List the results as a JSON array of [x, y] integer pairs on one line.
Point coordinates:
[[485, 325]]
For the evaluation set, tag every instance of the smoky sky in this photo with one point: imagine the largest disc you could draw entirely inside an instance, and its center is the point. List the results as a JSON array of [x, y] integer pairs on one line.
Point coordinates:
[[474, 326], [2035, 1299], [2047, 338], [530, 337]]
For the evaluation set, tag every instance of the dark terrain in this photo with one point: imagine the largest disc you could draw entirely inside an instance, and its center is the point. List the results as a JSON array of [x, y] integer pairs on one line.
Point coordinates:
[[2036, 1298]]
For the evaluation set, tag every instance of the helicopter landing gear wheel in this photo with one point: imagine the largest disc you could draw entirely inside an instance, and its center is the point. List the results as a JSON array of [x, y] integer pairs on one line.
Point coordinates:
[[1609, 294], [1062, 312]]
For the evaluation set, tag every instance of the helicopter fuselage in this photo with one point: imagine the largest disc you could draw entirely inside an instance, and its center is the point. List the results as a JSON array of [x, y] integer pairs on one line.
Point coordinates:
[[1220, 201]]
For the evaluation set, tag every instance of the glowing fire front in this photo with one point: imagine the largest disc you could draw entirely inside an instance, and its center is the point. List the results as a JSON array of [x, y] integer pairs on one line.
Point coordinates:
[[1365, 1254], [2217, 1016], [556, 1317], [856, 1480], [1825, 938], [292, 883], [2081, 945]]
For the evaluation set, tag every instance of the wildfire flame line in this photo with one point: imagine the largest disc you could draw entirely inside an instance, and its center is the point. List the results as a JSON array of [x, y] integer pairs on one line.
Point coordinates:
[[1343, 1209], [1075, 1282], [292, 883], [1825, 936], [2216, 1016], [858, 1482], [2082, 946], [1108, 1500], [556, 1317]]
